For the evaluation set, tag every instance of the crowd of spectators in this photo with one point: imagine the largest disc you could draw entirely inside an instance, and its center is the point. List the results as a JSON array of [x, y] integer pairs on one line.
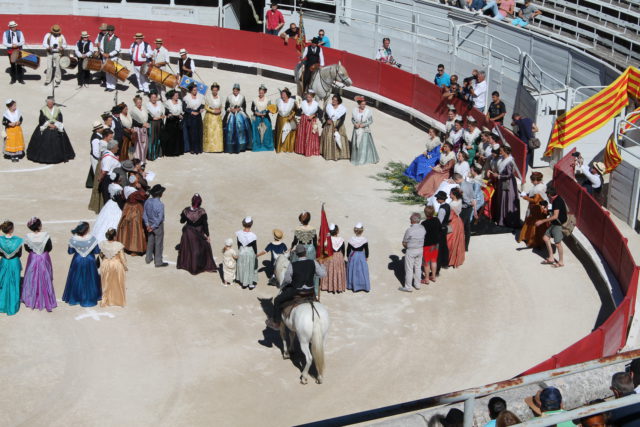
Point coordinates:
[[500, 10]]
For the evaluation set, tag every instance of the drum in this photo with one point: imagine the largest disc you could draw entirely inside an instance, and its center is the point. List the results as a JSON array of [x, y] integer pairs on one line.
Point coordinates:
[[116, 69], [68, 62], [28, 59], [188, 81], [92, 64], [155, 74]]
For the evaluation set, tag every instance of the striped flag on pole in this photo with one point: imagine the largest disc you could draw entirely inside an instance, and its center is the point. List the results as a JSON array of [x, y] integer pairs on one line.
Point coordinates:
[[612, 157]]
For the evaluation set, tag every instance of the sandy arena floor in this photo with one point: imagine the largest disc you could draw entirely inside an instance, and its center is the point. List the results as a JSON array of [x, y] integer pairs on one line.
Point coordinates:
[[187, 351]]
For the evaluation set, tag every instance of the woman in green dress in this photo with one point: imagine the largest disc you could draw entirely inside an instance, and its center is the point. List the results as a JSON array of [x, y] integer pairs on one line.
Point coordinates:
[[10, 266]]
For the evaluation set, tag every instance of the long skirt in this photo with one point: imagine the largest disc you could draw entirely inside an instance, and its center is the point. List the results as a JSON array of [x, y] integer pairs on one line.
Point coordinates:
[[83, 282], [285, 136], [237, 133], [109, 217], [195, 253], [247, 267], [212, 140], [37, 287], [262, 133], [96, 202], [358, 272], [506, 207], [142, 144], [443, 250], [192, 133], [14, 143], [530, 234], [10, 285], [171, 137], [50, 146], [307, 138], [422, 165], [126, 146], [131, 229], [336, 278], [154, 146], [455, 241], [431, 182], [112, 276], [328, 147], [363, 150]]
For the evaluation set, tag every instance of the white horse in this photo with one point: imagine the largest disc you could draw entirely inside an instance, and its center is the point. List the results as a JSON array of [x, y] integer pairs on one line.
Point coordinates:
[[323, 80], [309, 322]]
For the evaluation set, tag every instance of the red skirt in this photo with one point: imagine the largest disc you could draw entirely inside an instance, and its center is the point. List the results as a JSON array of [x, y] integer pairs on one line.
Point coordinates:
[[430, 253]]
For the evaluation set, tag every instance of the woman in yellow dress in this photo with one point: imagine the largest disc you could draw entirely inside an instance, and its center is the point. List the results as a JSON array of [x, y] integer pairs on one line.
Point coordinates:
[[213, 140], [14, 142], [113, 266], [285, 137]]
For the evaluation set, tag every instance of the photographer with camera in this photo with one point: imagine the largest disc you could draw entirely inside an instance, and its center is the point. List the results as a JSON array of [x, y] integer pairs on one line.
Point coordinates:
[[54, 43]]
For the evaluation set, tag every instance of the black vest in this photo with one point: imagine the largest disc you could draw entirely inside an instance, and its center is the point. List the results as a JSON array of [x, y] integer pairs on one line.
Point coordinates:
[[83, 47], [186, 63], [303, 272], [447, 216], [313, 55], [94, 135]]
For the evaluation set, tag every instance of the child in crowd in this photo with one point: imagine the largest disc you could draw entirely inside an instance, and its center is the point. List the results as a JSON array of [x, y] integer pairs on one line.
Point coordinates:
[[229, 257], [277, 248]]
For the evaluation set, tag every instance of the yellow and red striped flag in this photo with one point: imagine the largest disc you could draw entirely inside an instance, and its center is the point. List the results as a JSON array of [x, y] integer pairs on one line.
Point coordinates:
[[612, 157]]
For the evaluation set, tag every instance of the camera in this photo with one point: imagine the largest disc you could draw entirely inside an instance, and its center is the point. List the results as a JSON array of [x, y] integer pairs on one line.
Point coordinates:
[[55, 46]]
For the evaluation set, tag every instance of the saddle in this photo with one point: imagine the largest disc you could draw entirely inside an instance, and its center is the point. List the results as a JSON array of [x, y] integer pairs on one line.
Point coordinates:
[[301, 298]]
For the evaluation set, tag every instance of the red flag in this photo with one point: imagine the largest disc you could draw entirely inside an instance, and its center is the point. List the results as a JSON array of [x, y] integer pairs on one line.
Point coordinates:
[[325, 249]]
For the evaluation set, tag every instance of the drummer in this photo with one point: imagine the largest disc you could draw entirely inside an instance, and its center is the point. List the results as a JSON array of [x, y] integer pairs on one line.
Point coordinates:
[[141, 54], [13, 40], [54, 43], [102, 32], [186, 65], [160, 60], [84, 49], [110, 49]]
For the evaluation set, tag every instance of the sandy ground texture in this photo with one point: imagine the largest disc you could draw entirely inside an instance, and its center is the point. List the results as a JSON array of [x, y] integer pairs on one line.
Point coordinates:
[[187, 351]]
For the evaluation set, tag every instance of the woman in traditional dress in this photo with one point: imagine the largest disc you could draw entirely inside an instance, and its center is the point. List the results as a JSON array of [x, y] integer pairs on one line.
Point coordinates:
[[363, 150], [308, 132], [193, 106], [262, 128], [462, 164], [247, 264], [131, 227], [213, 141], [506, 205], [108, 159], [357, 267], [12, 122], [305, 235], [237, 126], [471, 139], [10, 266], [423, 164], [530, 234], [37, 287], [334, 144], [285, 135], [83, 282], [172, 138], [429, 185], [155, 111], [456, 136], [140, 124], [111, 212], [194, 252], [113, 266], [455, 239], [49, 142], [127, 145], [452, 116], [336, 278]]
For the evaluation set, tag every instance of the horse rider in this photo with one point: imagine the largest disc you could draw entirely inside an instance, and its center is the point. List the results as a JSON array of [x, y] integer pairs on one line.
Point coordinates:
[[54, 43], [13, 39], [313, 58], [298, 280], [109, 50]]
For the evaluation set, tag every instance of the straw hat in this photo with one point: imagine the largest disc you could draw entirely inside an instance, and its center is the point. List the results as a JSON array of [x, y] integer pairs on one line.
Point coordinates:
[[97, 125], [277, 233], [103, 27], [183, 51], [600, 167], [139, 36], [159, 41], [84, 34], [12, 24], [55, 29]]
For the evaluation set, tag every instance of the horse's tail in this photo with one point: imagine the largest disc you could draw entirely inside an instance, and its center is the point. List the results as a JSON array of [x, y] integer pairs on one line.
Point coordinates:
[[317, 343]]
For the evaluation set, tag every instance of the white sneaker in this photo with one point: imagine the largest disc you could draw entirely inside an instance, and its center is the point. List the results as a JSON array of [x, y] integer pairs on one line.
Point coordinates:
[[403, 289]]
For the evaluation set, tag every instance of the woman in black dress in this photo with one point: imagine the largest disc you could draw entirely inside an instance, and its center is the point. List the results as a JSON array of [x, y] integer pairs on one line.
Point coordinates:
[[171, 135], [194, 251], [49, 142]]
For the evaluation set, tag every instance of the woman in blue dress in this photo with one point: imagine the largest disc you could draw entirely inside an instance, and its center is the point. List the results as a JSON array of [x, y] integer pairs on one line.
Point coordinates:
[[262, 130], [237, 126], [83, 282], [357, 267], [423, 164], [10, 266]]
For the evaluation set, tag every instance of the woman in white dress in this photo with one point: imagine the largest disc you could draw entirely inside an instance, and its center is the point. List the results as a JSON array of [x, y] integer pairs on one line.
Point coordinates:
[[247, 264], [462, 164], [334, 143], [363, 150], [110, 213]]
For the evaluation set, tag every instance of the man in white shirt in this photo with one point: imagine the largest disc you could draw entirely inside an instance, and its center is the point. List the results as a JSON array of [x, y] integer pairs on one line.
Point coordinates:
[[479, 92], [592, 177], [97, 43], [110, 49], [84, 49], [141, 54], [160, 56], [13, 40], [54, 43]]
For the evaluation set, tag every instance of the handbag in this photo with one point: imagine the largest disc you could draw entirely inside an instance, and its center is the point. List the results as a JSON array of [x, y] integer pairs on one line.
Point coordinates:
[[533, 143], [569, 225]]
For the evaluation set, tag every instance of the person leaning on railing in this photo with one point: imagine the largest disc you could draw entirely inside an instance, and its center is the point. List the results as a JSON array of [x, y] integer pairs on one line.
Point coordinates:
[[625, 416], [548, 402]]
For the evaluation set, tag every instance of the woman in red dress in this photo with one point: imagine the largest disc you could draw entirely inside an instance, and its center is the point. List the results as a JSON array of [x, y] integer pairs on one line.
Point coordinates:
[[308, 136], [439, 173], [455, 239]]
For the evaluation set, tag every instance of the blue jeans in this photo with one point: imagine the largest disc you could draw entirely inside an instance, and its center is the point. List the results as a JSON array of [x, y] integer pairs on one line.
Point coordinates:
[[520, 21], [272, 32], [493, 6]]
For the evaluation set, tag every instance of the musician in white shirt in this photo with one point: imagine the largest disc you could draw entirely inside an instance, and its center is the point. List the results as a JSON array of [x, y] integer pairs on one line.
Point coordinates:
[[13, 39], [110, 49], [160, 56], [84, 49], [141, 54], [54, 43]]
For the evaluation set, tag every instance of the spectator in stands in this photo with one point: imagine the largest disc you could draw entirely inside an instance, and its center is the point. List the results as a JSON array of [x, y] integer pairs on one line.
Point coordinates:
[[324, 40], [590, 176], [558, 209], [626, 416], [507, 9], [475, 5], [292, 32], [507, 418], [598, 420], [454, 90], [548, 402], [385, 55], [454, 418], [413, 242], [275, 20], [634, 370], [526, 14], [479, 91], [496, 405], [525, 128], [493, 7], [442, 79], [497, 109]]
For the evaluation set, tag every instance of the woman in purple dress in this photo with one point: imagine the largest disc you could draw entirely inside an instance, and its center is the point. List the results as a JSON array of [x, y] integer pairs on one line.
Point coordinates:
[[37, 288], [506, 206], [194, 252]]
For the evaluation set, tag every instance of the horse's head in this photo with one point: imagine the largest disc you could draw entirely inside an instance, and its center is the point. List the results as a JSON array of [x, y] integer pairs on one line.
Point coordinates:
[[342, 76]]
